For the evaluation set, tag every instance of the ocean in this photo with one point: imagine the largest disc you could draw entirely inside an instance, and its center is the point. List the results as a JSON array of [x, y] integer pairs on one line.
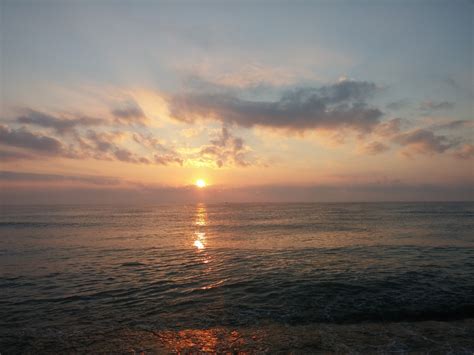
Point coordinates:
[[71, 273]]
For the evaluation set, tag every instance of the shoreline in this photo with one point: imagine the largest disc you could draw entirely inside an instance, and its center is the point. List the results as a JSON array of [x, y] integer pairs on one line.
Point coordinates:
[[400, 337]]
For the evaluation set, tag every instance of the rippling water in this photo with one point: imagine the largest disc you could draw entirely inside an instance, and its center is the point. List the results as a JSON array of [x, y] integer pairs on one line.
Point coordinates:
[[198, 266]]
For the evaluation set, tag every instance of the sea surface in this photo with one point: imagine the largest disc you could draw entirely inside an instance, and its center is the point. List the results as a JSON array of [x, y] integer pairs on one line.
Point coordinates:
[[76, 269]]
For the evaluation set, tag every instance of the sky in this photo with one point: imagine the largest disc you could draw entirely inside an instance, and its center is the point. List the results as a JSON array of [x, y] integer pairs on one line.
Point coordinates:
[[133, 101]]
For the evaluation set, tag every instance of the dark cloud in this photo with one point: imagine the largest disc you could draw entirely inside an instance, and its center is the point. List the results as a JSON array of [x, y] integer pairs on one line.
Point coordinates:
[[103, 141], [374, 148], [417, 141], [347, 90], [12, 176], [129, 113], [422, 141], [61, 125], [341, 105], [434, 106], [129, 157], [126, 114], [22, 138], [89, 144], [225, 149]]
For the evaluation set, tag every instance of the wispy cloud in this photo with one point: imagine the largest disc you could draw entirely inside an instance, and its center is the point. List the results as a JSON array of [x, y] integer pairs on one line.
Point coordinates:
[[129, 113], [13, 176], [162, 154], [61, 125], [388, 128], [23, 138], [78, 136], [225, 149], [455, 124], [421, 141], [435, 105], [373, 148], [341, 111]]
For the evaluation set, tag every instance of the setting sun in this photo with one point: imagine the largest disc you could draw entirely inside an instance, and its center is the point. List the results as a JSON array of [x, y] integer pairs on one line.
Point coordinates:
[[200, 183]]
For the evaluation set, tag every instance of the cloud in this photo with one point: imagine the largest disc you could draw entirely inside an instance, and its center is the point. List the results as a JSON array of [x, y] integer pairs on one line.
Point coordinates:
[[129, 113], [225, 149], [388, 128], [129, 157], [22, 138], [107, 147], [12, 176], [103, 141], [374, 148], [341, 105], [466, 151], [191, 132], [163, 159], [434, 106], [347, 90], [61, 125], [456, 124], [421, 141], [90, 144], [414, 141], [162, 155]]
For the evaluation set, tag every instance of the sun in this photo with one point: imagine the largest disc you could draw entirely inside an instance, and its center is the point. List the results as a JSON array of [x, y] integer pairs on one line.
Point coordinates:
[[200, 183]]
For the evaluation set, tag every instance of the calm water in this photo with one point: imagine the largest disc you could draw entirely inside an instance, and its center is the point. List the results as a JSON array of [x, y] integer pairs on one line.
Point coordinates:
[[169, 267]]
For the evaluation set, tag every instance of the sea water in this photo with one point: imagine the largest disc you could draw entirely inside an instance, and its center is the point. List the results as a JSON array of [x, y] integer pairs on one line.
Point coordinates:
[[87, 268]]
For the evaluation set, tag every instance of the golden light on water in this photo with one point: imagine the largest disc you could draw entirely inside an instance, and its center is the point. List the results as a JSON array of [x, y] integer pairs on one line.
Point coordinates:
[[200, 239], [200, 223], [201, 183], [200, 216], [198, 244]]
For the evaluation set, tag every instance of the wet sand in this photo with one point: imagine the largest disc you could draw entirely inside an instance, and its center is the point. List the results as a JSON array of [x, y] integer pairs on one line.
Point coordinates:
[[401, 337]]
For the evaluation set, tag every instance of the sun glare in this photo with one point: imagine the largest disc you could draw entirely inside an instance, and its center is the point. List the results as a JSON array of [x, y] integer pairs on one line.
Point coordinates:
[[200, 183], [198, 244]]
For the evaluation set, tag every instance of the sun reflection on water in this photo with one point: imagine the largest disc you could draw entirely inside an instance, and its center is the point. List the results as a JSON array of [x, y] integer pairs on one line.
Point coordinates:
[[201, 216], [198, 244], [200, 222]]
